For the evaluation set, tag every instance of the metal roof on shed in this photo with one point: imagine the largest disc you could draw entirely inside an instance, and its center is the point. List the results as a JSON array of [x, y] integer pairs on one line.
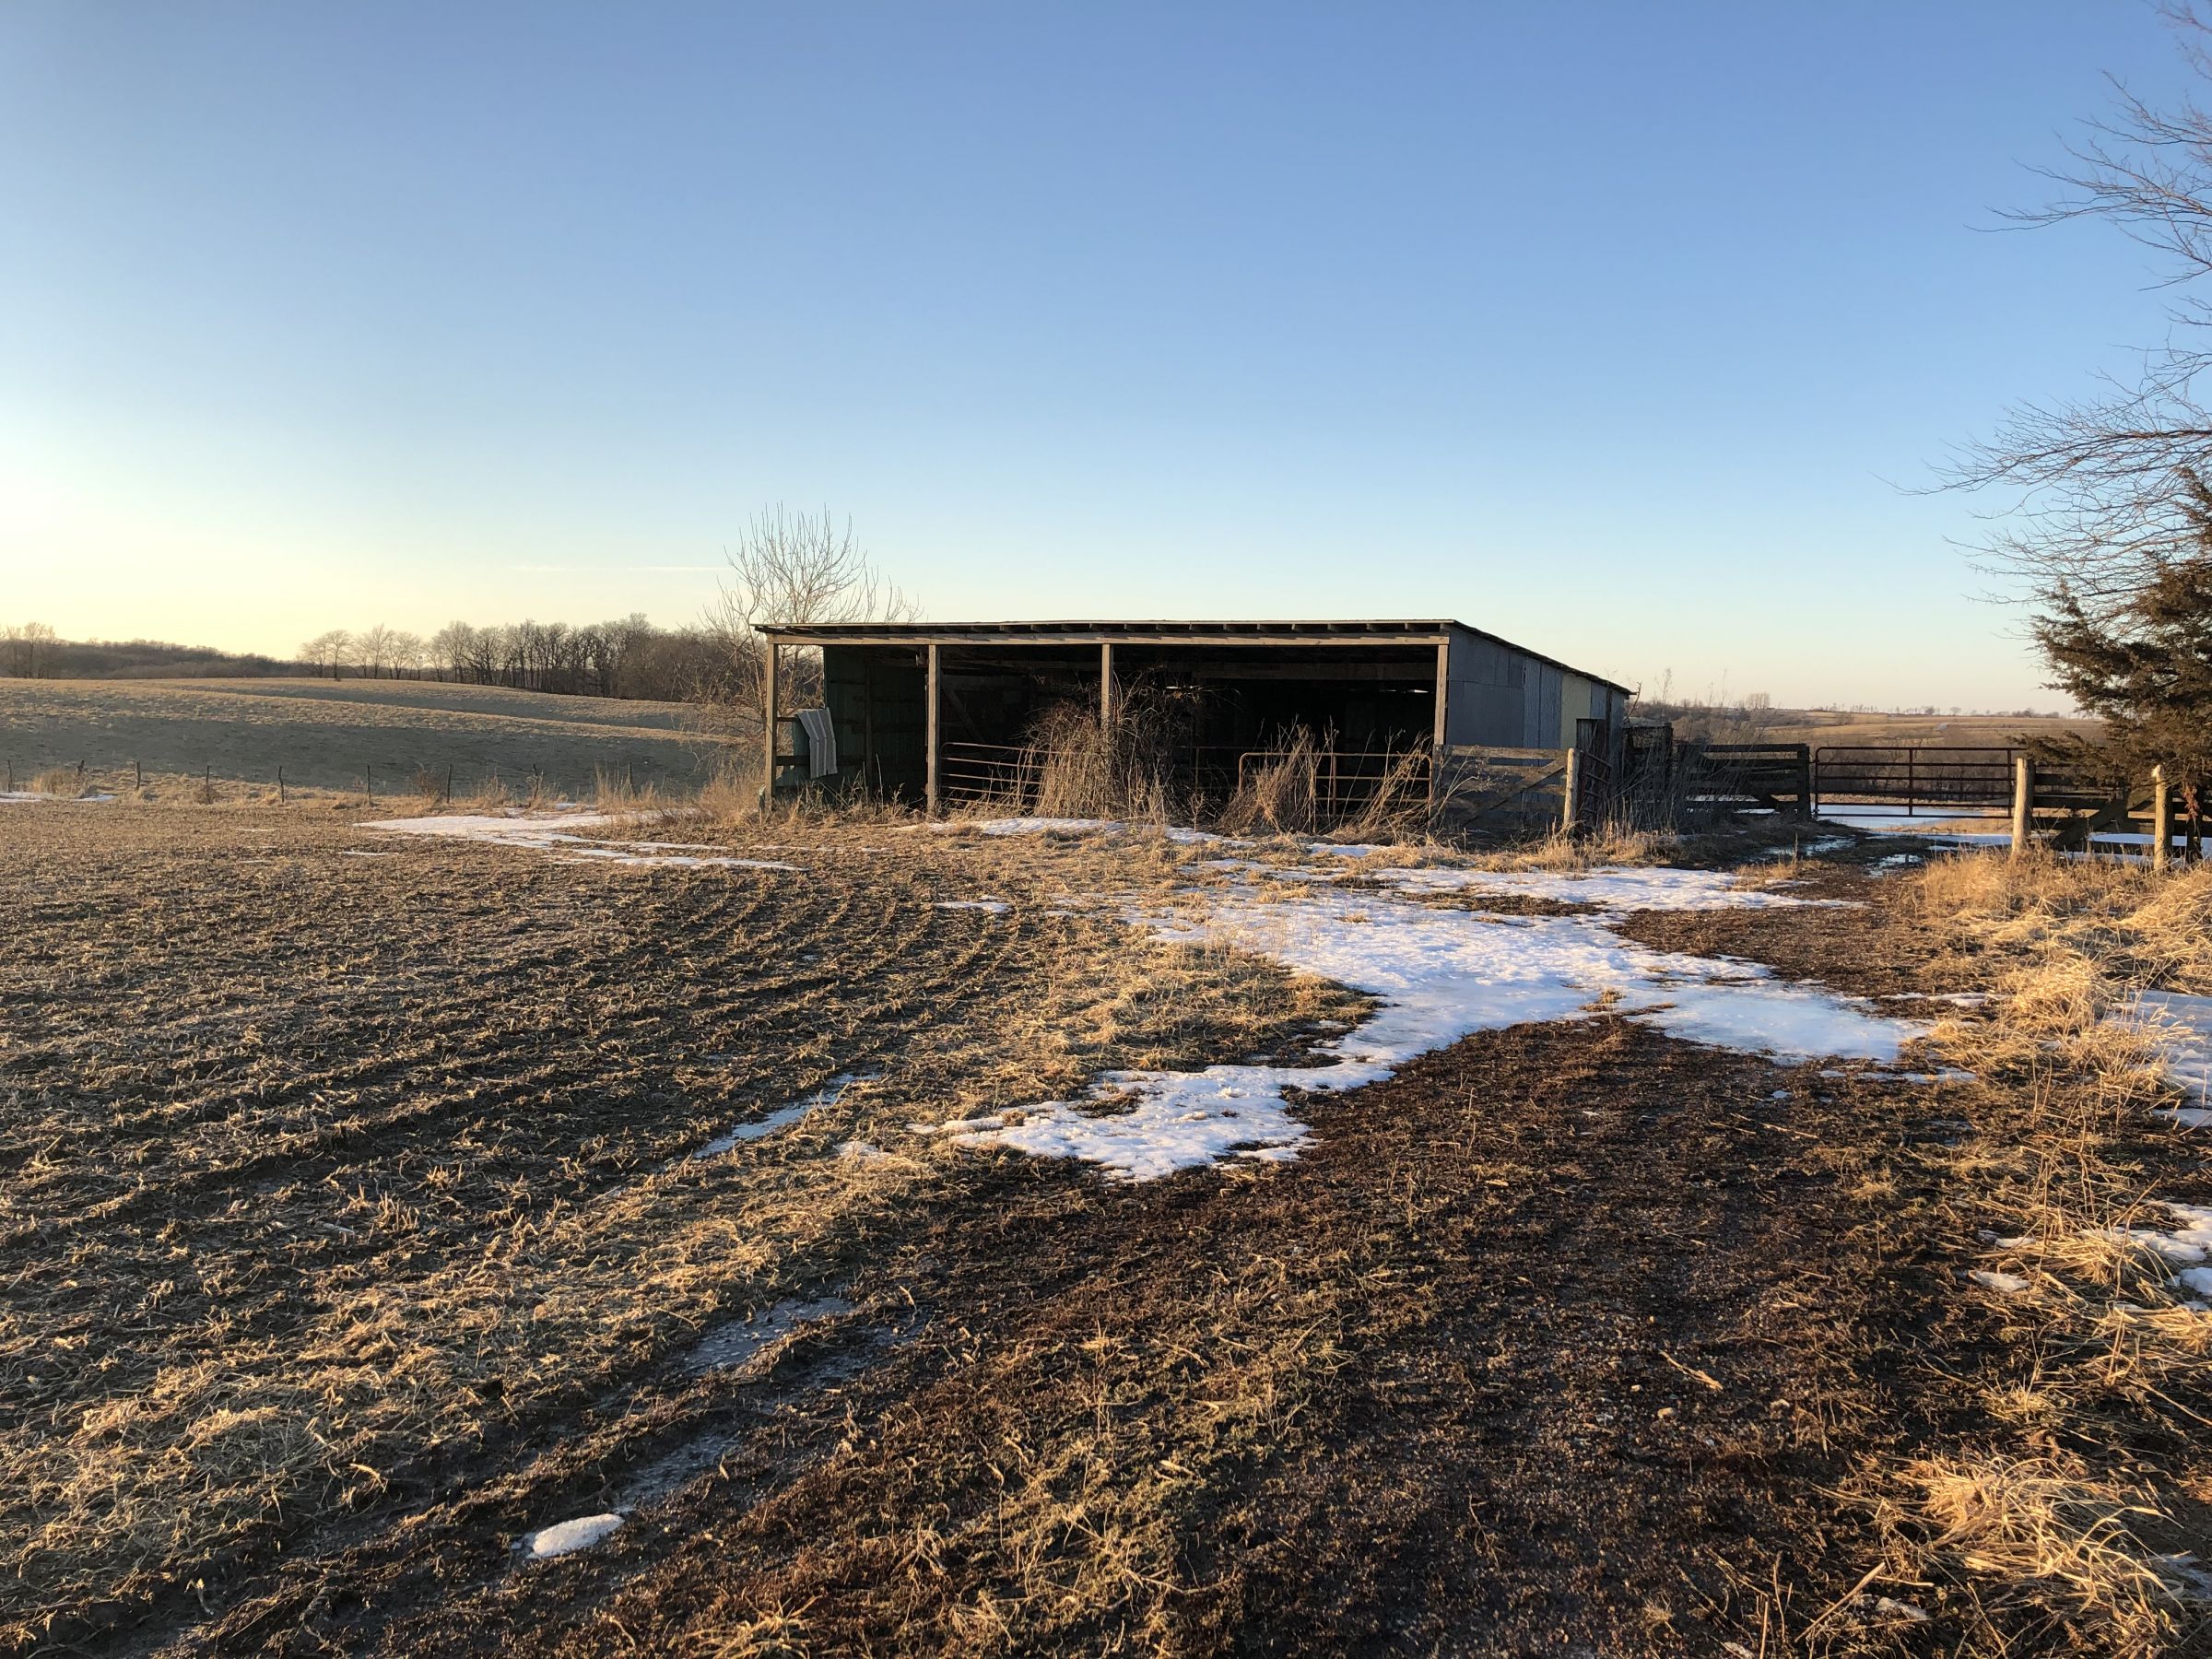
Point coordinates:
[[1347, 632]]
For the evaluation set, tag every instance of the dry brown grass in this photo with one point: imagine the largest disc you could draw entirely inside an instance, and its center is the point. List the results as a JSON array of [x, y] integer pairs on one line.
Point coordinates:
[[2141, 928], [63, 783], [2055, 1523], [2046, 1531], [312, 1192]]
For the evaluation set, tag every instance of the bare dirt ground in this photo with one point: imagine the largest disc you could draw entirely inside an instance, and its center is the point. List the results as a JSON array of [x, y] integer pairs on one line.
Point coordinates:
[[351, 1233], [341, 735]]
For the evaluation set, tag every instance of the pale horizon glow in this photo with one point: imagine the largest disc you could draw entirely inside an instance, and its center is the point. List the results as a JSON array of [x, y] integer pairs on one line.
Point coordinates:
[[1620, 332]]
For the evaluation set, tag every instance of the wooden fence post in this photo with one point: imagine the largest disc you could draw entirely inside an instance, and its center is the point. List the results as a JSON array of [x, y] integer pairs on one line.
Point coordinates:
[[767, 733], [2161, 818], [1572, 789], [932, 689], [2023, 802]]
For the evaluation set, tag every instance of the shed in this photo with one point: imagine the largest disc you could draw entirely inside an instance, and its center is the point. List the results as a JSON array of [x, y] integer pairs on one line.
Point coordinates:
[[939, 712]]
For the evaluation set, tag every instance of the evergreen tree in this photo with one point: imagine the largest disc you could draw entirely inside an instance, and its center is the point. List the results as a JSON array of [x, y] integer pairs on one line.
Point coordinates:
[[2146, 668]]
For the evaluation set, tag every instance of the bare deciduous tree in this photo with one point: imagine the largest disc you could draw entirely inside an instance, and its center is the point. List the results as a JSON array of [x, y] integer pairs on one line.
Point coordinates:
[[372, 650], [28, 647], [789, 567], [2096, 506], [329, 652]]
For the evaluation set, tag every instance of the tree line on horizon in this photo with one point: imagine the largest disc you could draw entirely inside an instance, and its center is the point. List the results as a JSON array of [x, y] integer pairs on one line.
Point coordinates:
[[784, 567], [629, 657]]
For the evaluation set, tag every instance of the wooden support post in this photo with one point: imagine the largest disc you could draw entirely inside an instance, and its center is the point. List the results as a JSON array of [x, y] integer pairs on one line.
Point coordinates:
[[2161, 819], [1442, 727], [931, 675], [2023, 802], [1805, 783], [1105, 682], [767, 735], [1571, 813]]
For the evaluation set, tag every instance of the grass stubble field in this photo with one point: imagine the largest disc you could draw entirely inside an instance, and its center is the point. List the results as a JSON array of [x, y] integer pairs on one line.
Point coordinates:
[[351, 1233], [159, 739]]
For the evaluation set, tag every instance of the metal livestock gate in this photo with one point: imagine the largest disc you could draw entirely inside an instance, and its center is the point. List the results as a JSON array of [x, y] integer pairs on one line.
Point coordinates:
[[1951, 782]]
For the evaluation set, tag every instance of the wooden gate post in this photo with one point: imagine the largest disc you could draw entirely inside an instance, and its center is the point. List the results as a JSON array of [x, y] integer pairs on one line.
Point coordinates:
[[929, 730], [2023, 802], [1571, 814], [2161, 818], [1805, 783]]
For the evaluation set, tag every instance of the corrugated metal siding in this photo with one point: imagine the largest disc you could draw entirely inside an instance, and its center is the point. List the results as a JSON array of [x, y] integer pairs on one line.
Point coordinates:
[[1487, 691]]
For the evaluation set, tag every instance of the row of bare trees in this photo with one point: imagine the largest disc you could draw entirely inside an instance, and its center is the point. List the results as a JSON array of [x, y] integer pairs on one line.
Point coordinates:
[[626, 657], [784, 567]]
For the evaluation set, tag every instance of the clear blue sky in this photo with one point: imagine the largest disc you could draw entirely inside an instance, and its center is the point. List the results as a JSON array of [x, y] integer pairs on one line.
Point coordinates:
[[1610, 327]]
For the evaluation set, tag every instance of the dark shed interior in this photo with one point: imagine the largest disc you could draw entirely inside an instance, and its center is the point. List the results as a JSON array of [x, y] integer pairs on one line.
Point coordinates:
[[1209, 705], [1213, 695]]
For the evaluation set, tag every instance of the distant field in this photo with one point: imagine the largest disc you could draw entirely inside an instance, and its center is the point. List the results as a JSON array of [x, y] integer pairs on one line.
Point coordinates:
[[332, 734], [1822, 725]]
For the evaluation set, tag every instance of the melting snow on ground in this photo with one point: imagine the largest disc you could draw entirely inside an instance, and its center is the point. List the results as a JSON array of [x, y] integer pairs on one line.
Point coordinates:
[[2182, 1027], [828, 1094], [1437, 975], [566, 1537], [558, 834]]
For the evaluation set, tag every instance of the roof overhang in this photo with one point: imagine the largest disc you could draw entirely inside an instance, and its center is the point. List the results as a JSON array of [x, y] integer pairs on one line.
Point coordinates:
[[1377, 631]]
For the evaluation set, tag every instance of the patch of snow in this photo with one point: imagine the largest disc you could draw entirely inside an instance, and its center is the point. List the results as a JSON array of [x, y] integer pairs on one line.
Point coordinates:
[[32, 794], [2181, 1028], [557, 834], [997, 907], [566, 1537], [1439, 975], [861, 1151], [828, 1094], [1614, 888], [1991, 1279], [738, 1342]]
